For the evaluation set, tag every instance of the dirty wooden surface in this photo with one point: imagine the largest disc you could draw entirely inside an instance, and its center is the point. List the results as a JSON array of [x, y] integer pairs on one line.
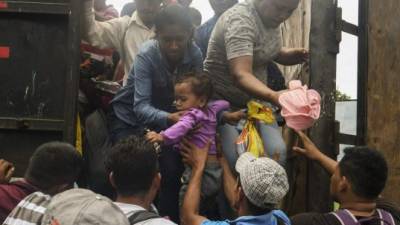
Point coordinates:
[[383, 116]]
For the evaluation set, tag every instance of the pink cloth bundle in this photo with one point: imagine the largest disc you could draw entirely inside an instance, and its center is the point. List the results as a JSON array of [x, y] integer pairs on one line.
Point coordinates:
[[301, 107]]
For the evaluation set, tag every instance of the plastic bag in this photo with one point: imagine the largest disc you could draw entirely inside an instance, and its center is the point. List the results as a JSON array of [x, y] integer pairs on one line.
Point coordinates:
[[249, 140]]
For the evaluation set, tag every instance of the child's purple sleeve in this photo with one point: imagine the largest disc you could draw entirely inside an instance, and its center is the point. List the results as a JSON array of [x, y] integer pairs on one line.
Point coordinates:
[[187, 122], [219, 105]]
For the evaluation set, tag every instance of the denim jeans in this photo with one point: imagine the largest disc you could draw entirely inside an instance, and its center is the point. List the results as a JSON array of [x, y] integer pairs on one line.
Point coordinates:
[[270, 134]]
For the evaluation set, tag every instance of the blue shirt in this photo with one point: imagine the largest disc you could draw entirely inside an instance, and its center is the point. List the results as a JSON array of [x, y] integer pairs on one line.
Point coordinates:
[[148, 96], [267, 219], [203, 34]]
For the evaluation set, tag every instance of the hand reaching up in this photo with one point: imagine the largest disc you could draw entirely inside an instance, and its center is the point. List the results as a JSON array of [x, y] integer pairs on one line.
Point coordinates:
[[6, 171]]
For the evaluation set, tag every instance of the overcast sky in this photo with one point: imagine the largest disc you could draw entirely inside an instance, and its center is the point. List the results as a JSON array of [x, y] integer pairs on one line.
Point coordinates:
[[346, 80]]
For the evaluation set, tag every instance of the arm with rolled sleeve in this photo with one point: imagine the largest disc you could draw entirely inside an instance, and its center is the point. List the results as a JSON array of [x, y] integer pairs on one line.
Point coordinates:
[[239, 36], [144, 110], [108, 34]]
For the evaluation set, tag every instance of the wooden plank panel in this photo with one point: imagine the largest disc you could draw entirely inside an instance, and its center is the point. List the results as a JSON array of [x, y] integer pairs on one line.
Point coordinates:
[[383, 114]]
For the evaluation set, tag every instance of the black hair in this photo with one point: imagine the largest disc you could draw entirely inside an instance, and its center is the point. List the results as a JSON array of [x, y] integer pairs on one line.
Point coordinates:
[[52, 164], [195, 16], [173, 14], [134, 164], [366, 169], [128, 9], [201, 84]]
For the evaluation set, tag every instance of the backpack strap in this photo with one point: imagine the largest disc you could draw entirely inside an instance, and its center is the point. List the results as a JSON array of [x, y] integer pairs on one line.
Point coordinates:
[[142, 215], [386, 217], [345, 217]]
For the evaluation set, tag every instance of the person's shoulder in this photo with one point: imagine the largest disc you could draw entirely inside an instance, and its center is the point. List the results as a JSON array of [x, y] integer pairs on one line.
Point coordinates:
[[241, 11], [218, 104], [195, 113], [17, 188], [209, 23], [149, 48], [210, 222], [194, 49], [390, 207], [314, 219], [39, 194], [157, 221]]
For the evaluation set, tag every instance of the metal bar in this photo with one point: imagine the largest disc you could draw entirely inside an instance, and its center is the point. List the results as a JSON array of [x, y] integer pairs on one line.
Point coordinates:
[[362, 82], [7, 123], [347, 139], [323, 41], [350, 28], [35, 7], [72, 76]]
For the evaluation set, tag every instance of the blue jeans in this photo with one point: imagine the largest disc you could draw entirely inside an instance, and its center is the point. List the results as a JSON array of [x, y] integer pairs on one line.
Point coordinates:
[[270, 134]]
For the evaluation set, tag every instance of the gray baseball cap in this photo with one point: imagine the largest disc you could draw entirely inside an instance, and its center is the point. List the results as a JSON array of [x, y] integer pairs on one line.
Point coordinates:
[[82, 207], [263, 180]]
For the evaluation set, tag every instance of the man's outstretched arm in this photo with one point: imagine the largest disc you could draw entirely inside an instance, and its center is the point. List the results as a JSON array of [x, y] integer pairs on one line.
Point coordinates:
[[196, 158], [312, 152]]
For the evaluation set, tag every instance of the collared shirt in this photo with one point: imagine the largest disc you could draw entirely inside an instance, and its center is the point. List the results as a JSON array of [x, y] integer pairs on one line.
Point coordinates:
[[266, 219], [125, 34], [240, 32], [148, 96], [30, 210], [11, 194], [203, 34], [129, 209]]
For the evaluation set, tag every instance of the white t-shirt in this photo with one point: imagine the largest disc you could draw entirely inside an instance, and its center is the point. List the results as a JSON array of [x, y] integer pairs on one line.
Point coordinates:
[[129, 209]]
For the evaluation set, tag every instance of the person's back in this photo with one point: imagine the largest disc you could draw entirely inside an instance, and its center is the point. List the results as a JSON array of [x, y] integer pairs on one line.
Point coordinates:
[[53, 168], [29, 210], [82, 207], [356, 184]]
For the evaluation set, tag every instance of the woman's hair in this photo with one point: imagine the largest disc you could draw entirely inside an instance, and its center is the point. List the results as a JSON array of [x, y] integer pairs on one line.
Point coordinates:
[[200, 83], [174, 14]]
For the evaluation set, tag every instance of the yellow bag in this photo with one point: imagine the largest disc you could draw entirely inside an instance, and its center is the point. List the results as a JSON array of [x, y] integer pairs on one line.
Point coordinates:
[[249, 140]]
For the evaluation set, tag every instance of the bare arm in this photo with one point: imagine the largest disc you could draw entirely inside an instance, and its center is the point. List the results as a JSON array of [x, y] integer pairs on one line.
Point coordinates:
[[229, 181], [292, 56], [312, 152], [196, 159], [241, 69]]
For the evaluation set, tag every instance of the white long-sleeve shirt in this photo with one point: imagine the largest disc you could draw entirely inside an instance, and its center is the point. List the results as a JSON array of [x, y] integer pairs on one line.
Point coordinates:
[[125, 34]]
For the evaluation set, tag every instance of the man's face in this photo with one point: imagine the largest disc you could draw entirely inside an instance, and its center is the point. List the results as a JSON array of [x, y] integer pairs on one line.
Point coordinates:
[[148, 9], [274, 12], [173, 42], [220, 6]]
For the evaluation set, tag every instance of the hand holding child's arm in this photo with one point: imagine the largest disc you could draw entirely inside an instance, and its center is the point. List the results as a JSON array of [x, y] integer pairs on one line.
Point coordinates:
[[233, 117], [154, 137]]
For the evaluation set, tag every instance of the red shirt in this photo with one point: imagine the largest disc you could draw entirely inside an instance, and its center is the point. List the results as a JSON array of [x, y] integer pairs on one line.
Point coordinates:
[[11, 194]]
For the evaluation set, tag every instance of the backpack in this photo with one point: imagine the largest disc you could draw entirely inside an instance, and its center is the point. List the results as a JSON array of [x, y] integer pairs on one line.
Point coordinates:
[[142, 215], [346, 218]]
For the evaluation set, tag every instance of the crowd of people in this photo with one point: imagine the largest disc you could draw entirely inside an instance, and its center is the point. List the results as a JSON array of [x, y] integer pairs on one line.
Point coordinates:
[[170, 154]]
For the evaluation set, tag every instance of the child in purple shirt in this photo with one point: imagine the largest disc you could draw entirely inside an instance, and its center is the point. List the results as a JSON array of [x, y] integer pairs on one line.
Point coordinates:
[[198, 125]]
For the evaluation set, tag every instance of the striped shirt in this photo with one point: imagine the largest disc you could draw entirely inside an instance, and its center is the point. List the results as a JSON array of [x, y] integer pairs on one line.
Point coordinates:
[[29, 211]]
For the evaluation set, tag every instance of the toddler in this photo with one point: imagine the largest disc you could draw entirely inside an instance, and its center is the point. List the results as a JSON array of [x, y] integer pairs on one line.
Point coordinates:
[[198, 125]]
